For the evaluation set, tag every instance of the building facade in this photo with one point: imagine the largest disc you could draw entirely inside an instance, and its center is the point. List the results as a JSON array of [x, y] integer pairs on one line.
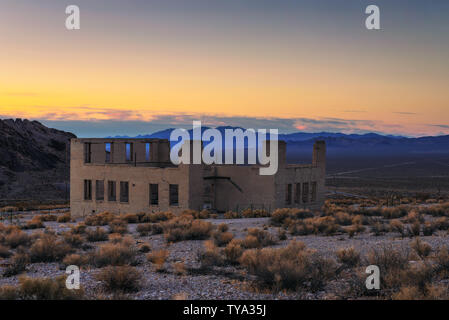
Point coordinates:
[[136, 175]]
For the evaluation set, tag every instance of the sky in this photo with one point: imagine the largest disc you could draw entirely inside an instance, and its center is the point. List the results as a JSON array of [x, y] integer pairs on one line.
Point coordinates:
[[139, 66]]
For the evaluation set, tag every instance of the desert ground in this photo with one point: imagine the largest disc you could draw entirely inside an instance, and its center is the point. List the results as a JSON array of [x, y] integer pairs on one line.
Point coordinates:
[[285, 254]]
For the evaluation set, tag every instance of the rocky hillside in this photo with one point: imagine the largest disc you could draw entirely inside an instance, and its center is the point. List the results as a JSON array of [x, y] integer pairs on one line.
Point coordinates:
[[34, 160]]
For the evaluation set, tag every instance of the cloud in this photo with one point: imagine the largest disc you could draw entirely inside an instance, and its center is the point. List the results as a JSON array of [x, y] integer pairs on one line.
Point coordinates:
[[405, 112]]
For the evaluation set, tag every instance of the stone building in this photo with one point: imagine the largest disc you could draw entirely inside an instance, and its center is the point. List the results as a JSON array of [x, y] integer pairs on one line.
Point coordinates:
[[136, 175]]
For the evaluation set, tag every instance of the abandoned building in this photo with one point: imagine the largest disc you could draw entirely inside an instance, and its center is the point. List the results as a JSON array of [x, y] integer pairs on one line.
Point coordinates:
[[136, 175]]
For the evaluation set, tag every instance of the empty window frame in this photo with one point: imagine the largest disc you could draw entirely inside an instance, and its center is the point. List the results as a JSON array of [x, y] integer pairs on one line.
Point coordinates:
[[124, 191], [108, 151], [129, 151], [173, 195], [99, 190], [314, 191], [111, 191], [297, 192], [147, 151], [305, 192], [87, 152], [87, 189], [154, 194], [288, 194]]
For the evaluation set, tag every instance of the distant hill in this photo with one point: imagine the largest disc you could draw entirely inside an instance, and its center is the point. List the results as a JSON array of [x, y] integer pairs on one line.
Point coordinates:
[[33, 161]]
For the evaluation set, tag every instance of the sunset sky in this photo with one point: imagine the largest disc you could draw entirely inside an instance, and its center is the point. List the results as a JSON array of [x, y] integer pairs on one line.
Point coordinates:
[[138, 66]]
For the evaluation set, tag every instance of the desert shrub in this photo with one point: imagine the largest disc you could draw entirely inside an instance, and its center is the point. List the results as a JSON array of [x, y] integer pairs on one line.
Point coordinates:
[[120, 278], [283, 217], [354, 229], [441, 223], [414, 229], [47, 289], [343, 218], [8, 292], [429, 228], [179, 268], [204, 214], [233, 251], [414, 216], [160, 216], [210, 256], [118, 226], [291, 267], [301, 227], [15, 237], [114, 254], [48, 249], [282, 235], [4, 252], [74, 240], [158, 258], [80, 228], [379, 228], [423, 249], [144, 229], [250, 242], [48, 217], [64, 218], [255, 213], [130, 218], [431, 292], [442, 262], [394, 212], [157, 228], [264, 238], [99, 219], [75, 259], [115, 238], [34, 223], [324, 225], [398, 226], [145, 247], [222, 227], [186, 228], [349, 257], [436, 210], [17, 264], [98, 234], [232, 215]]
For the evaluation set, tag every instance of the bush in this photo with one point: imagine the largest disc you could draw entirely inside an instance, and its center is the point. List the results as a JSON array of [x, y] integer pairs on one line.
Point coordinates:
[[97, 235], [349, 257], [186, 228], [442, 262], [398, 226], [80, 228], [145, 247], [34, 223], [74, 240], [264, 238], [159, 216], [8, 292], [48, 217], [144, 229], [423, 249], [114, 254], [291, 267], [47, 289], [64, 218], [210, 256], [75, 259], [380, 228], [120, 278], [233, 251], [4, 252], [16, 238], [48, 249], [17, 264], [179, 268], [283, 217], [118, 226], [222, 238], [100, 219], [429, 228], [158, 258]]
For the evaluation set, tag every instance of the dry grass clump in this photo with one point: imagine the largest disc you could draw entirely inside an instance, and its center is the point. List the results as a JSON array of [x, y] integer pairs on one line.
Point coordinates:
[[158, 258], [437, 210], [221, 236], [398, 226], [115, 254], [159, 216], [48, 248], [120, 278], [292, 267], [99, 219], [283, 217], [349, 257], [145, 247], [47, 289], [255, 213], [423, 249], [118, 226], [380, 228], [430, 292], [72, 239], [17, 264], [179, 268], [80, 228], [429, 228], [442, 262], [233, 251], [144, 229], [48, 217], [75, 259], [210, 256], [34, 223], [4, 252], [98, 234], [64, 218], [343, 218], [8, 292], [13, 237], [185, 227], [414, 216], [258, 238], [232, 215], [394, 212], [318, 225]]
